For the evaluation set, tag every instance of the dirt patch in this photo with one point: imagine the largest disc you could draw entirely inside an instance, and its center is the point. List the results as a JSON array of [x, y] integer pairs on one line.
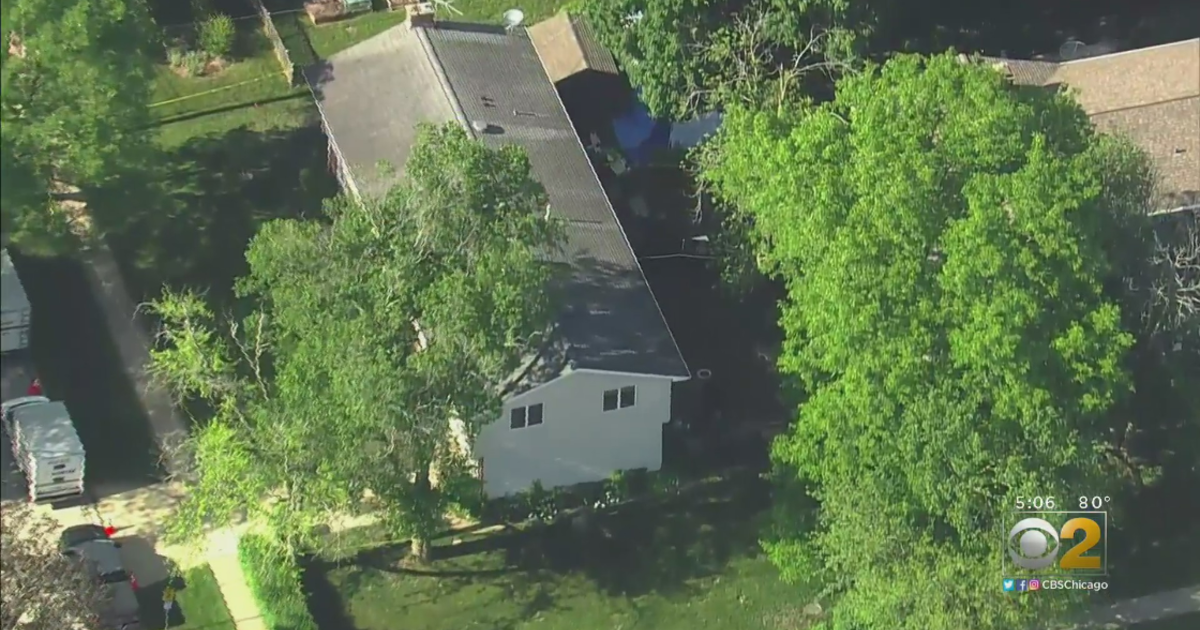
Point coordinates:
[[214, 66]]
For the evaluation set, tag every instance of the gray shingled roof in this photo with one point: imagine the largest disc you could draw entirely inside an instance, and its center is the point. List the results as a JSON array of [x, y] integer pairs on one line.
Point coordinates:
[[1150, 95], [373, 94]]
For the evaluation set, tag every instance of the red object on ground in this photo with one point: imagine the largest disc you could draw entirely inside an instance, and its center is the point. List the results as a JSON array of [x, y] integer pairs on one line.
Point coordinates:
[[35, 388], [109, 530]]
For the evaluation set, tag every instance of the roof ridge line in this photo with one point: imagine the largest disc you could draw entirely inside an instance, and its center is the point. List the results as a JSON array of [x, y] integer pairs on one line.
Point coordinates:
[[1118, 53], [608, 204], [443, 79], [1165, 101]]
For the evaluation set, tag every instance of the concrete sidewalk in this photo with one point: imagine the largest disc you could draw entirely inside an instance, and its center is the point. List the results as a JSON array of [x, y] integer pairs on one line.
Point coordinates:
[[131, 334], [140, 512]]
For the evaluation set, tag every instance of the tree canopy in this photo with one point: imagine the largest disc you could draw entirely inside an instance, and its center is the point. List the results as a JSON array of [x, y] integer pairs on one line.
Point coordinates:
[[693, 56], [371, 332], [74, 87], [949, 244], [42, 587]]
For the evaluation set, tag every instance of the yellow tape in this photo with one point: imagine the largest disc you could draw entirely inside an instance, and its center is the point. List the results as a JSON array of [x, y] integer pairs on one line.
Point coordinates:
[[212, 91]]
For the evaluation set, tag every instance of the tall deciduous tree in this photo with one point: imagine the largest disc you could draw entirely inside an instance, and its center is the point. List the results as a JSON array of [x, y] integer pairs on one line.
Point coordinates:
[[693, 56], [43, 588], [74, 87], [949, 245], [375, 333]]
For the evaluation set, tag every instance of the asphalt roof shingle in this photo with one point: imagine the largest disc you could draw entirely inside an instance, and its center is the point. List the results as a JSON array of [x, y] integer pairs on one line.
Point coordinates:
[[1150, 95], [567, 46], [373, 94]]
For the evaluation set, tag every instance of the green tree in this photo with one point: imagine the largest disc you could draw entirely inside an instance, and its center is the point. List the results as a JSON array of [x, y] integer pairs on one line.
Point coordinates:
[[74, 86], [693, 56], [43, 588], [949, 245], [374, 333]]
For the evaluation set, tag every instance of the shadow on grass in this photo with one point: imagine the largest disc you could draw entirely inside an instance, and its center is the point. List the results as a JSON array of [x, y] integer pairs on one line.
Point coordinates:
[[78, 363], [188, 223], [153, 616], [658, 547], [1156, 535], [1023, 28], [1161, 540]]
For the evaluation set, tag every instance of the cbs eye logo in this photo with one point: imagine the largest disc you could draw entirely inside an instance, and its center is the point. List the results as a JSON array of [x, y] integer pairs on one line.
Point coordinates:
[[1034, 543]]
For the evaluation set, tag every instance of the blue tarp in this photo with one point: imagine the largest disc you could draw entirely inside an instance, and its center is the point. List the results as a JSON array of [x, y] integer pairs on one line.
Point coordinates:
[[638, 134]]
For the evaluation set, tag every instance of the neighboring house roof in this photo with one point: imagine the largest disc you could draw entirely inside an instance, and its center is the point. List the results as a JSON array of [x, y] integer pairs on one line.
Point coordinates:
[[1151, 95], [373, 94], [568, 46]]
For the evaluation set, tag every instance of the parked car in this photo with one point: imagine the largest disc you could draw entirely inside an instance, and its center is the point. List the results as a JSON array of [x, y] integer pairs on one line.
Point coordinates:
[[93, 544]]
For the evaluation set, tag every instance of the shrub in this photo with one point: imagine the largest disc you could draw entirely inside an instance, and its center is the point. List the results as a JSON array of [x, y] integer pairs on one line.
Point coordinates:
[[216, 35], [194, 62], [175, 56], [664, 483], [274, 579]]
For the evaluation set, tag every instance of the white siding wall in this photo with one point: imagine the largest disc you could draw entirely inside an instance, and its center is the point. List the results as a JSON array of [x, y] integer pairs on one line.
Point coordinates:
[[577, 441]]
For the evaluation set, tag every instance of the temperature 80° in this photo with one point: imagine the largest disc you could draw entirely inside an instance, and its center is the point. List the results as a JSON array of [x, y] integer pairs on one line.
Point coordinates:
[[1093, 503]]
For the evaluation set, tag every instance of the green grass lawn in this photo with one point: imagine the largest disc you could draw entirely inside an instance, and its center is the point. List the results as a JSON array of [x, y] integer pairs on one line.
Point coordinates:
[[199, 604], [238, 148], [686, 566], [328, 39], [250, 93]]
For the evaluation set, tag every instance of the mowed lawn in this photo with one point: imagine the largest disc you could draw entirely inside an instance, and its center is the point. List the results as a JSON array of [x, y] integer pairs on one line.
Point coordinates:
[[238, 148], [328, 39], [199, 605], [249, 92], [687, 565]]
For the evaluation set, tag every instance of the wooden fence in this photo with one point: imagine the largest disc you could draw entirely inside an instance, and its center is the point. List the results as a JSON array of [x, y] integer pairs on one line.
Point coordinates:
[[281, 52]]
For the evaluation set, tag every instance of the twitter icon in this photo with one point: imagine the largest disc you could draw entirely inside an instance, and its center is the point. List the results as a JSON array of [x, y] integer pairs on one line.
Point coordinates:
[[1008, 585]]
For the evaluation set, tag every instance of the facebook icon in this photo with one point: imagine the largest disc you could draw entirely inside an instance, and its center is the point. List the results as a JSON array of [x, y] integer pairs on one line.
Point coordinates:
[[1022, 585]]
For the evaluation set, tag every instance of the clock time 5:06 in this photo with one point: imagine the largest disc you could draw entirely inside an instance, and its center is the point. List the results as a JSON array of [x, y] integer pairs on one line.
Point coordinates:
[[1036, 503]]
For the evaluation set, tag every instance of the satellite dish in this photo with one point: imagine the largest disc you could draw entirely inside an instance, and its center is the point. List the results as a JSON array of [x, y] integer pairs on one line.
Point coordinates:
[[513, 18], [1071, 49]]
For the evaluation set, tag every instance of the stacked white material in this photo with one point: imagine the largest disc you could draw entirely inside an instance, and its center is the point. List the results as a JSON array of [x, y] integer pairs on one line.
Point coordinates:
[[46, 446]]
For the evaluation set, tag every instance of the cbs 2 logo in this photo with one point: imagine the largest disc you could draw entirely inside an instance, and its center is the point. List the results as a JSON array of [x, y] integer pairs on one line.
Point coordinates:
[[1033, 550]]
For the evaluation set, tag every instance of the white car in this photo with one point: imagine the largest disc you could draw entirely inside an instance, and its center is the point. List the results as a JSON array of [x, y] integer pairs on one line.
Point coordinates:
[[102, 553]]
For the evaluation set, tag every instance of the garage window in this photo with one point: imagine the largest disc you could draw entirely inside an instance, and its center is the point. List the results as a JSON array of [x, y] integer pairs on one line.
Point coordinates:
[[627, 396], [521, 417], [620, 398]]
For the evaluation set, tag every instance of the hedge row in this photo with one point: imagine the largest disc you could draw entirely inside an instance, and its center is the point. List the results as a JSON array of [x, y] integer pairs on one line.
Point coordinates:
[[274, 579]]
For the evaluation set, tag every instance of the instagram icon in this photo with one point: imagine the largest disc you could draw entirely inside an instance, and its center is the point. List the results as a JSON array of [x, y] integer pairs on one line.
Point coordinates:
[[1035, 585]]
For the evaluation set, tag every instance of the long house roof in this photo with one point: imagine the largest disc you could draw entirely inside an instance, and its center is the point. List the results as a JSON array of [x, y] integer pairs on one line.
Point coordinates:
[[372, 96], [1151, 95]]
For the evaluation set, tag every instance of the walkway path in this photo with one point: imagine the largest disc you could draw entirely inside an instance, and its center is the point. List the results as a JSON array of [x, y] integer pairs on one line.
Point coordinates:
[[227, 570], [131, 335]]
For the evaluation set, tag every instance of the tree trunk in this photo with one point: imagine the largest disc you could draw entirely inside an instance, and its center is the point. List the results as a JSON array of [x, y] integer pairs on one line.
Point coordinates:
[[420, 549], [420, 539]]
